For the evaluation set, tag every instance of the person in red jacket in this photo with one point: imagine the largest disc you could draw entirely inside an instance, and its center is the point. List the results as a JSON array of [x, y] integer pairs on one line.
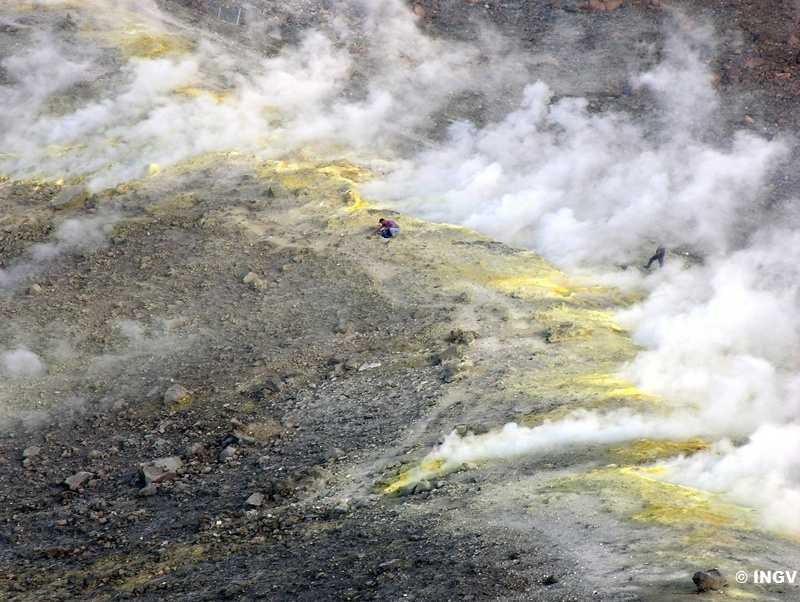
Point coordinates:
[[387, 228]]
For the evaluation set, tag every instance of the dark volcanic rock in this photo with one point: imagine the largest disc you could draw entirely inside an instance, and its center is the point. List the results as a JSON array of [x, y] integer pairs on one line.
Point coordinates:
[[711, 580]]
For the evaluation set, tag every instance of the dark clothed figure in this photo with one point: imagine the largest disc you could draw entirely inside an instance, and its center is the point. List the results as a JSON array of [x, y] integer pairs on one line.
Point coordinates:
[[659, 257]]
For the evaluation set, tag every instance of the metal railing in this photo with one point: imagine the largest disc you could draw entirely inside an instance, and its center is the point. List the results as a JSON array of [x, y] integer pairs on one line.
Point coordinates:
[[230, 14]]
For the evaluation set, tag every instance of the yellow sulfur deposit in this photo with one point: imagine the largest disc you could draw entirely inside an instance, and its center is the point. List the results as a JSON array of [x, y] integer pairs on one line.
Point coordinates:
[[635, 492], [139, 43], [426, 469], [517, 282], [650, 450], [193, 91], [611, 386]]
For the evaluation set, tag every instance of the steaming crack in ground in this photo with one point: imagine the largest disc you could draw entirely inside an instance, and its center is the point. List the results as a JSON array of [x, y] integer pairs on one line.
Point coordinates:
[[187, 275]]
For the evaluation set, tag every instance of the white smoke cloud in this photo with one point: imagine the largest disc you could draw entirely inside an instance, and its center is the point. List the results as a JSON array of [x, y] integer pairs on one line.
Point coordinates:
[[130, 329], [683, 84], [78, 234], [583, 188], [593, 190], [586, 189], [760, 474], [21, 363], [170, 108], [43, 72]]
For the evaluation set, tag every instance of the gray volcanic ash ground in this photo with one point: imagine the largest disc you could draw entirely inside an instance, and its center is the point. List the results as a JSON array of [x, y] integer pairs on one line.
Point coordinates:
[[216, 384]]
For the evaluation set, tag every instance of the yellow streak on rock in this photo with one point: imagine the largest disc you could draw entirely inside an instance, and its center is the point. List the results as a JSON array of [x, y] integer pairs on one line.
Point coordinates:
[[426, 469], [347, 171], [651, 450], [37, 6], [138, 42], [60, 150], [402, 479], [354, 200], [643, 498], [193, 91], [517, 282], [611, 386]]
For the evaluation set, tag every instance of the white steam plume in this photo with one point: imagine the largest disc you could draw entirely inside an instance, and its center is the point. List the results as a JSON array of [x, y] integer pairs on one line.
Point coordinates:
[[587, 190], [82, 234], [169, 108], [590, 191], [21, 363]]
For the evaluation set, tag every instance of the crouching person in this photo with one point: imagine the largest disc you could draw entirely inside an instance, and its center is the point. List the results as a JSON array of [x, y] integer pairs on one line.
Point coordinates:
[[387, 228]]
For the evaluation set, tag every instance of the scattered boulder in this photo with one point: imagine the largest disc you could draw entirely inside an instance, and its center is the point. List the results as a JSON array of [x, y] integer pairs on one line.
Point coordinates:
[[368, 366], [451, 373], [163, 469], [333, 454], [70, 197], [336, 360], [255, 281], [352, 363], [710, 580], [175, 394], [273, 385], [462, 337], [67, 23], [342, 327], [391, 565], [169, 464], [148, 490], [238, 436], [31, 452], [255, 501], [195, 449], [226, 454], [78, 480], [415, 488], [452, 354]]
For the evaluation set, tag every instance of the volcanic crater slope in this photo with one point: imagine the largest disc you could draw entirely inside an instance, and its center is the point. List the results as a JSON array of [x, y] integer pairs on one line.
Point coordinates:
[[234, 373], [242, 385], [217, 384]]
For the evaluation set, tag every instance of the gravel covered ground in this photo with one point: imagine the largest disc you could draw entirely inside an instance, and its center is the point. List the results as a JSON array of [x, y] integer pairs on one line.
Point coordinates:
[[228, 380]]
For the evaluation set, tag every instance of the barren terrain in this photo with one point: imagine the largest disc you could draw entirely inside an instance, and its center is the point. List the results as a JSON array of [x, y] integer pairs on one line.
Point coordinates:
[[237, 385]]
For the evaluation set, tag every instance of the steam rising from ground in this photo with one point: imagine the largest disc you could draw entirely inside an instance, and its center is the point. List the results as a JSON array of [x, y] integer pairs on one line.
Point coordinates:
[[721, 338], [72, 235], [21, 362], [589, 191], [170, 107]]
